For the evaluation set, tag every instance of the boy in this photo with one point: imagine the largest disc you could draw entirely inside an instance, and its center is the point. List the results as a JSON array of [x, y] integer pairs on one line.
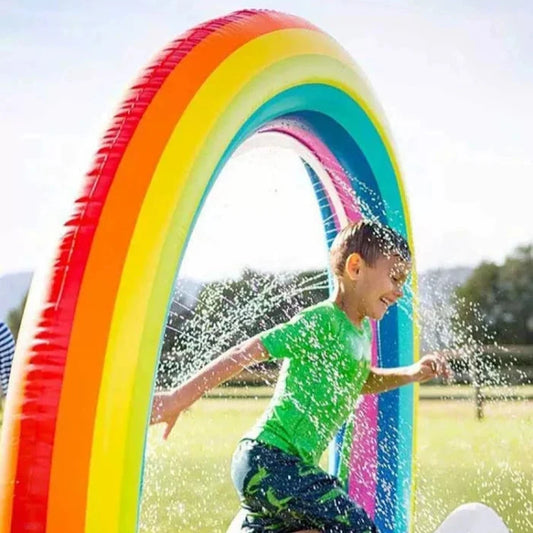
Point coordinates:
[[327, 365]]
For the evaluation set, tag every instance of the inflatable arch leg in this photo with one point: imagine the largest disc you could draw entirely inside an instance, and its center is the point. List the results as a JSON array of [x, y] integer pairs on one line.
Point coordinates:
[[76, 417]]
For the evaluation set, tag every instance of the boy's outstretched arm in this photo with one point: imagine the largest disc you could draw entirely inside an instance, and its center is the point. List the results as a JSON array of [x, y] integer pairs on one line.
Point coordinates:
[[384, 379], [167, 406]]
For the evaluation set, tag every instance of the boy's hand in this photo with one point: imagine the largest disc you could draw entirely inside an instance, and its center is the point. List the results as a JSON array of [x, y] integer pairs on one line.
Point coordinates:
[[431, 366], [165, 409]]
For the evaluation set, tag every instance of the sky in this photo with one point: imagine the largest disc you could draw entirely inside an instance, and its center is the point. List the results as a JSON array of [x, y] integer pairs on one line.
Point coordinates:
[[455, 81]]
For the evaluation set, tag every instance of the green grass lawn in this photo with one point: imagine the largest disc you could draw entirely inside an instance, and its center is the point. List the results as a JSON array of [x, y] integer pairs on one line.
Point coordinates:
[[187, 485], [188, 488]]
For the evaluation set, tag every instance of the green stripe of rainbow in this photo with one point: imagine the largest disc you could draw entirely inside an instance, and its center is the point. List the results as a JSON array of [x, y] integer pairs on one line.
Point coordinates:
[[91, 334]]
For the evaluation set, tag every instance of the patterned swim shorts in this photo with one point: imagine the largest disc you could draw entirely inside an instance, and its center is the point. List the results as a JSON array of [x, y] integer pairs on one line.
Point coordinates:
[[282, 494]]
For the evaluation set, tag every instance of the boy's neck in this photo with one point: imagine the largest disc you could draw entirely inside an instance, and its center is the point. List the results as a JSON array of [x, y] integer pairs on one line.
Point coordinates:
[[353, 312]]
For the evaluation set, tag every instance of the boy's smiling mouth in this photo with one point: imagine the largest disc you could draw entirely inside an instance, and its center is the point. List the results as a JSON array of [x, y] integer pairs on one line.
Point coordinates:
[[386, 301]]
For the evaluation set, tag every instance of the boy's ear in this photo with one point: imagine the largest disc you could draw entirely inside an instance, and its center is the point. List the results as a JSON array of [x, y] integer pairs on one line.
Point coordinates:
[[353, 265]]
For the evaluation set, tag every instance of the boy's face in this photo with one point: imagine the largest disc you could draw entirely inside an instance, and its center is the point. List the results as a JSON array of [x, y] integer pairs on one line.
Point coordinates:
[[379, 286]]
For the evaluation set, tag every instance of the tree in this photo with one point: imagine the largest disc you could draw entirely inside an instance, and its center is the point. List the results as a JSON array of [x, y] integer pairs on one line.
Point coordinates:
[[496, 302]]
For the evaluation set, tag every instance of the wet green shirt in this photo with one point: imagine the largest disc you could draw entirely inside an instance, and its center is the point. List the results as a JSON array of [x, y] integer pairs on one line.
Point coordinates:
[[327, 361]]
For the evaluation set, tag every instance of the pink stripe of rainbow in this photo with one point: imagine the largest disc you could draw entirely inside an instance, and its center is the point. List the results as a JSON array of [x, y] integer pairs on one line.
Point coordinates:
[[364, 453]]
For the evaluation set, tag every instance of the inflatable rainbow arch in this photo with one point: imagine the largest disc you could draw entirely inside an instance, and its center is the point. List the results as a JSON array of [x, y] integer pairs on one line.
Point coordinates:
[[77, 413]]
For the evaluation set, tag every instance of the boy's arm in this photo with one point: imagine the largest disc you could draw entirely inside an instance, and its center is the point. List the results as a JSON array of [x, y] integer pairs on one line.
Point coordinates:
[[384, 379], [166, 407]]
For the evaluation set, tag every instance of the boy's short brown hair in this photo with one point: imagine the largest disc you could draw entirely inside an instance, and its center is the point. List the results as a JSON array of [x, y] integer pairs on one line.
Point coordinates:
[[370, 240]]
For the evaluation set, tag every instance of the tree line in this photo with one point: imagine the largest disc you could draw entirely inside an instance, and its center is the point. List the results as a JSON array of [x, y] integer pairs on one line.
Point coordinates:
[[496, 301], [493, 307]]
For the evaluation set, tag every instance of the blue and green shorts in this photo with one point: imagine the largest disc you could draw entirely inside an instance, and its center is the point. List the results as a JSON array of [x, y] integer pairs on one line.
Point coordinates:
[[280, 493]]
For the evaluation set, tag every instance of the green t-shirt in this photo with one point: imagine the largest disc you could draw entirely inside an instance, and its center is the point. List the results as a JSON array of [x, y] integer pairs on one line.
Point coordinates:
[[327, 361]]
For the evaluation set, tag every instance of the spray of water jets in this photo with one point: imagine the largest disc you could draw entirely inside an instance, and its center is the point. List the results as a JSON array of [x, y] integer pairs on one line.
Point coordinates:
[[207, 319], [212, 318], [457, 327], [204, 321]]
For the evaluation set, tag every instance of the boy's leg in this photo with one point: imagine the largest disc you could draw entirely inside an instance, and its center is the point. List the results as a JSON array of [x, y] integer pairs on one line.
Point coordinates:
[[283, 494], [321, 502]]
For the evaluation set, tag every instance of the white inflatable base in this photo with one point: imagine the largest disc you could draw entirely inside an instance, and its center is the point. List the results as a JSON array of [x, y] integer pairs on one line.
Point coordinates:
[[473, 518], [468, 518], [235, 526]]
